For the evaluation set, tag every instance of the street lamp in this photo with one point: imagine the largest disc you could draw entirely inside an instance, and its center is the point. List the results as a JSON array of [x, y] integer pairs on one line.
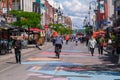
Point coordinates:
[[59, 14], [96, 21], [85, 23]]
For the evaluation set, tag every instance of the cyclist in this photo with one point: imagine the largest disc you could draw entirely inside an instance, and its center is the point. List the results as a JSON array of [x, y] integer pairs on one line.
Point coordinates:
[[58, 43]]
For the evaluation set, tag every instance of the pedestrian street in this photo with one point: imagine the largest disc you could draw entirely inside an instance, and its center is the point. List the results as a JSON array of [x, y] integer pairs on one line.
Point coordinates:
[[56, 69]]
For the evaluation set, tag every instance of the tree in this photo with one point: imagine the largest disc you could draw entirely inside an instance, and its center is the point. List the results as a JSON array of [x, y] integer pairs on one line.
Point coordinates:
[[27, 19], [89, 30], [61, 29]]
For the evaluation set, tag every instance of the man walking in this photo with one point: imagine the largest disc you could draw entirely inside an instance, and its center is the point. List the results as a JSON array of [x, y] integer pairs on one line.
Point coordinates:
[[18, 47]]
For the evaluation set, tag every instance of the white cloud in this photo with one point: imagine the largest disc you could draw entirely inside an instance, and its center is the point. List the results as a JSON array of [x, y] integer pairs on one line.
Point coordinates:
[[76, 9], [75, 6], [55, 4]]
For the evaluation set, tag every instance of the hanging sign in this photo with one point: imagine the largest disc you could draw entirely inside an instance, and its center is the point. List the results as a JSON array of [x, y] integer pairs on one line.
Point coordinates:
[[102, 7]]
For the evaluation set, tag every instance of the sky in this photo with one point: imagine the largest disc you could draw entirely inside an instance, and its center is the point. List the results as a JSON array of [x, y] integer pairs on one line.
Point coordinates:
[[76, 9]]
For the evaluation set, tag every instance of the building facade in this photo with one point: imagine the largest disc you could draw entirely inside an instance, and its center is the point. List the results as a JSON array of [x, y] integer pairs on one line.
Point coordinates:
[[110, 8], [117, 13], [5, 6], [102, 13], [26, 5], [49, 13], [68, 22]]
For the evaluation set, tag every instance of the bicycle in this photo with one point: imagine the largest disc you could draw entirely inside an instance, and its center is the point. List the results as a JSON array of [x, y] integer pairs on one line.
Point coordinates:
[[57, 51]]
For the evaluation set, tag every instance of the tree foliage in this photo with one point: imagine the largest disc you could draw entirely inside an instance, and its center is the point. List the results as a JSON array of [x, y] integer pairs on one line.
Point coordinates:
[[30, 19], [61, 29], [89, 30]]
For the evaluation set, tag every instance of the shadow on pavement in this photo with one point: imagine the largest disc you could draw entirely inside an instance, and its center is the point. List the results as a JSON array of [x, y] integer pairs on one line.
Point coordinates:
[[109, 59], [11, 62]]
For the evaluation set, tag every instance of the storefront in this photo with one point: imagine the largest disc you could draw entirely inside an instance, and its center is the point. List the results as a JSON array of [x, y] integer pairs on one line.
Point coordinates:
[[38, 35], [4, 40]]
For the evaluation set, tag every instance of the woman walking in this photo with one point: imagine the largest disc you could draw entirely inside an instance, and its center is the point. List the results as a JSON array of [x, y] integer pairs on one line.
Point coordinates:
[[91, 44]]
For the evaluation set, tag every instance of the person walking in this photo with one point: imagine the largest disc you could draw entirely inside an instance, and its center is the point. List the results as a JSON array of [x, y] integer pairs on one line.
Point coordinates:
[[91, 44], [18, 47], [76, 41], [67, 39], [101, 42]]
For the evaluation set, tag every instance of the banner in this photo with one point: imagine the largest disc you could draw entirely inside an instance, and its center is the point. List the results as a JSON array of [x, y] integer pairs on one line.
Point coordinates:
[[102, 9]]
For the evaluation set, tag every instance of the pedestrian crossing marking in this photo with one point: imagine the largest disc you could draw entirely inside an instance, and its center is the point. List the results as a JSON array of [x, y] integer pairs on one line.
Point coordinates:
[[47, 59], [60, 79]]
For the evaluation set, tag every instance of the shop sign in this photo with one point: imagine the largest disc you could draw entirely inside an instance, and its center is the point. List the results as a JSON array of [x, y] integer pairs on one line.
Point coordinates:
[[102, 7]]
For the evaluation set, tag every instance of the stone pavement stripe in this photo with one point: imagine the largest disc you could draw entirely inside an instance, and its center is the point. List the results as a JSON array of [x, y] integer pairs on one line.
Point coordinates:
[[36, 78], [71, 53], [37, 59], [96, 77], [74, 69], [34, 74], [60, 79], [76, 51], [43, 76], [40, 75], [40, 62]]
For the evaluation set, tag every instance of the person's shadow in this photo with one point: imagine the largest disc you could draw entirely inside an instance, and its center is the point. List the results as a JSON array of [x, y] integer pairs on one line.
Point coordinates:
[[11, 62]]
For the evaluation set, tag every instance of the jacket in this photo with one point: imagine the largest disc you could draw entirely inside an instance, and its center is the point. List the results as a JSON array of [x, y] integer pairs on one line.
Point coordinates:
[[92, 43], [18, 44], [58, 40]]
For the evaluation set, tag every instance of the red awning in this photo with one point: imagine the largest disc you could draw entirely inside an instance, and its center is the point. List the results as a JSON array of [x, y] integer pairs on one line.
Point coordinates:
[[35, 29]]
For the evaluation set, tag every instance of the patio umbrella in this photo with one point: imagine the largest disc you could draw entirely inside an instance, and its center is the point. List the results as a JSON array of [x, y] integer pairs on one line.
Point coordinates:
[[95, 34]]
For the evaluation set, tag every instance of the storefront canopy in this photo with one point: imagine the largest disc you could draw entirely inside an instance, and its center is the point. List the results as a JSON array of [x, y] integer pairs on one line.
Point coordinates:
[[98, 33], [35, 30]]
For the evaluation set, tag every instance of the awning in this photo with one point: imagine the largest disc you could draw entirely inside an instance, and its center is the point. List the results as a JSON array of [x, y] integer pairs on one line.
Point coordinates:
[[35, 30]]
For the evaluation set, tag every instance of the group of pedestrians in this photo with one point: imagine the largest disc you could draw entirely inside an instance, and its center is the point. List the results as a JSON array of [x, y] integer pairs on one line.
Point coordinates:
[[96, 43]]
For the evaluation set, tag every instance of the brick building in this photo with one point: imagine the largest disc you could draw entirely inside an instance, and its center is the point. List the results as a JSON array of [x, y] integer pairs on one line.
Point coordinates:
[[48, 13], [68, 21], [5, 5]]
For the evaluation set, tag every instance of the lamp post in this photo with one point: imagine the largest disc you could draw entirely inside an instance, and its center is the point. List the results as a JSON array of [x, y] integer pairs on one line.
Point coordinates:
[[85, 23], [96, 21], [59, 13]]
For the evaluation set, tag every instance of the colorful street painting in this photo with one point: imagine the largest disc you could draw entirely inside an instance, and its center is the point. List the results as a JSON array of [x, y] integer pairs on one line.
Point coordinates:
[[71, 71]]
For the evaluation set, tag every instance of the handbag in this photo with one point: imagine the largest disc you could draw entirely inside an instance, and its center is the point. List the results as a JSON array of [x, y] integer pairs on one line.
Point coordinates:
[[104, 44]]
